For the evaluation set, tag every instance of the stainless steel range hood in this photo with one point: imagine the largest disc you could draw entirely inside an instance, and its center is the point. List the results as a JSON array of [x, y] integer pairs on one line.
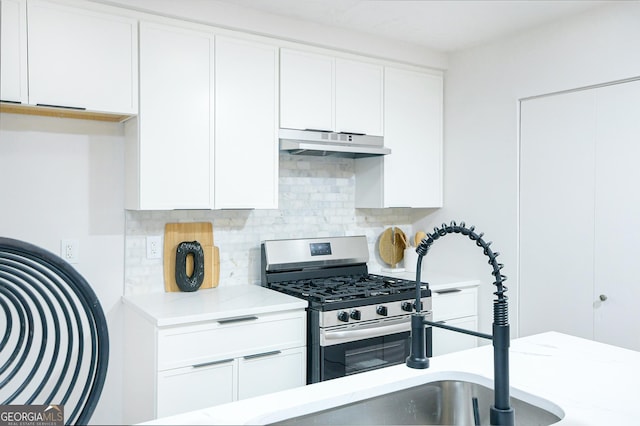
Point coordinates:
[[321, 143]]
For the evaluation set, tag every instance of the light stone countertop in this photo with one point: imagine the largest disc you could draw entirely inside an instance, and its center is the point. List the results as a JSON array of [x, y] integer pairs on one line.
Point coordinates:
[[437, 280], [174, 308], [222, 302], [581, 381]]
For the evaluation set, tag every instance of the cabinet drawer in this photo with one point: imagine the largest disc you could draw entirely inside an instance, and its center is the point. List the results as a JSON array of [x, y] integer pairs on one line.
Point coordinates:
[[287, 369], [193, 388], [454, 303], [445, 341], [229, 338]]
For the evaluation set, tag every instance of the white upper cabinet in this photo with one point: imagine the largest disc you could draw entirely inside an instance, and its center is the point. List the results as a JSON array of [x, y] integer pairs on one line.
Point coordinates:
[[358, 97], [207, 133], [411, 176], [306, 90], [169, 145], [246, 130], [328, 93], [13, 51], [81, 58]]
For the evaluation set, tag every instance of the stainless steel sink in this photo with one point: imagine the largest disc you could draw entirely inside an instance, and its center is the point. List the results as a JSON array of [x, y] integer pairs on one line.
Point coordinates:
[[447, 402]]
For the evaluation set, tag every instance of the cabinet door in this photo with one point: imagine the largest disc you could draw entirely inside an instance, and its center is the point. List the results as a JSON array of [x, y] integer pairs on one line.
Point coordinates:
[[454, 303], [446, 341], [13, 51], [413, 131], [306, 90], [81, 58], [192, 388], [286, 369], [246, 132], [557, 163], [617, 216], [176, 101], [358, 98], [412, 175], [458, 308]]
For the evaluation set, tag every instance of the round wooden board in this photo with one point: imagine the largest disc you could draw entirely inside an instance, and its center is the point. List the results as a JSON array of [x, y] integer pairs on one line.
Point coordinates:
[[420, 235], [392, 245]]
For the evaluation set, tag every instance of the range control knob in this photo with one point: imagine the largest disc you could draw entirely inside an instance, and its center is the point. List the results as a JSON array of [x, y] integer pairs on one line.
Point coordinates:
[[407, 306], [355, 314], [343, 316], [382, 310]]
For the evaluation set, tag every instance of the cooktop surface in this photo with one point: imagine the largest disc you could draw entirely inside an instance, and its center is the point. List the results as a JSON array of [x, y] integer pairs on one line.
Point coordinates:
[[356, 288]]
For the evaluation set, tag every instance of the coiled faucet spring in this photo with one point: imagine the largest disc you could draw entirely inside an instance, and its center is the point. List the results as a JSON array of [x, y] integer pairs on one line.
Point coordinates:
[[500, 313]]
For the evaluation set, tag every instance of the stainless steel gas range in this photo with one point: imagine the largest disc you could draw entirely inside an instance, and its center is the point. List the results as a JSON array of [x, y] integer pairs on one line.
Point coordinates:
[[356, 321]]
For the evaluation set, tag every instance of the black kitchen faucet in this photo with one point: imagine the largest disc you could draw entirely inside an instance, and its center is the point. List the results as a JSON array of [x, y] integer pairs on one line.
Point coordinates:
[[501, 412]]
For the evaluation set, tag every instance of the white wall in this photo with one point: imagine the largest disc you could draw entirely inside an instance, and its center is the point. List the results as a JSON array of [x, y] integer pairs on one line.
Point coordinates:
[[64, 178], [482, 88]]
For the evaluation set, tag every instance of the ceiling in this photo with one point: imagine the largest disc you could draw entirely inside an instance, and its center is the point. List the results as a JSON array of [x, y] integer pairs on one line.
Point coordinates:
[[441, 25]]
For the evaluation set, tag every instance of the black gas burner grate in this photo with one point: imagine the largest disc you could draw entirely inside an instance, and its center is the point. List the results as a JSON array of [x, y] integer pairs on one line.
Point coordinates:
[[343, 288]]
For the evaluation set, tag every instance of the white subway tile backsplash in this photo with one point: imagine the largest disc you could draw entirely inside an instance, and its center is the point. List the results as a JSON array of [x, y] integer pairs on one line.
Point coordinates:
[[316, 200]]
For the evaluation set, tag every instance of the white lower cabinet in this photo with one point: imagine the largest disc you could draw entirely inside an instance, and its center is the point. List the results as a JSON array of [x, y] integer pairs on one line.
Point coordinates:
[[194, 387], [218, 382], [271, 372], [194, 365], [446, 341], [457, 308]]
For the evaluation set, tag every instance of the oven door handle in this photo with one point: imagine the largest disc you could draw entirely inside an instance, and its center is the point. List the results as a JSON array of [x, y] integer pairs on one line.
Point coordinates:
[[343, 336]]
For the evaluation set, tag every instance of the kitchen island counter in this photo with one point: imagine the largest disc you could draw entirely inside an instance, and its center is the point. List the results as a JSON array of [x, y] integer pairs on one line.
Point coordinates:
[[581, 381]]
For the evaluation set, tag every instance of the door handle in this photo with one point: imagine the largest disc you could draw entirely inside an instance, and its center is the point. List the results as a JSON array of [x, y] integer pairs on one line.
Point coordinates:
[[262, 355], [209, 364], [239, 319], [448, 291], [62, 107]]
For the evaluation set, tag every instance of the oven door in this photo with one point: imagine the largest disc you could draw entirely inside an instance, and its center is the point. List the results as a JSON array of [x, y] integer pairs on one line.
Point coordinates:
[[363, 355], [362, 347]]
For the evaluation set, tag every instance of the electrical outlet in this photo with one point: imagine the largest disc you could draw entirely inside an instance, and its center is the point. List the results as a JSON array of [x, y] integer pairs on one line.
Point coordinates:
[[70, 250], [154, 247]]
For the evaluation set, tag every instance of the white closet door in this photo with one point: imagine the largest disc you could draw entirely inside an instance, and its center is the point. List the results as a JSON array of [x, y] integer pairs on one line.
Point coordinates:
[[557, 214], [617, 216]]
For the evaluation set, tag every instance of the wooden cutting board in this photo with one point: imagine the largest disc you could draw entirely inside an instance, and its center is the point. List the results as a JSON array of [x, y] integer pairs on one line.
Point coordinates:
[[392, 244], [202, 232]]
